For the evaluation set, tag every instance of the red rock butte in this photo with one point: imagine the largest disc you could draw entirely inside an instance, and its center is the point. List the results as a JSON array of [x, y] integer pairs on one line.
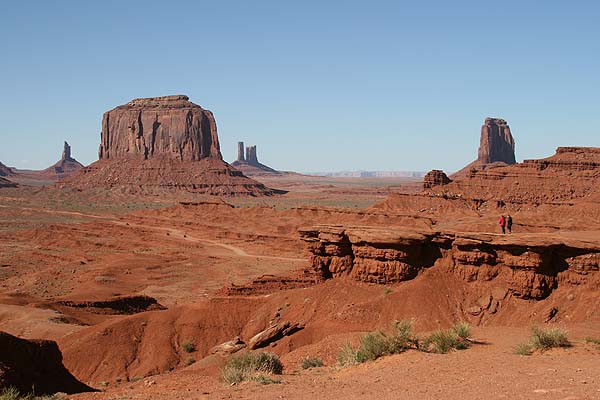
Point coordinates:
[[163, 144]]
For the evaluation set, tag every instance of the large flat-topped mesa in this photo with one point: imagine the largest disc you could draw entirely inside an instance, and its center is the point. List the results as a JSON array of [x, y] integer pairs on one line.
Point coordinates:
[[159, 127]]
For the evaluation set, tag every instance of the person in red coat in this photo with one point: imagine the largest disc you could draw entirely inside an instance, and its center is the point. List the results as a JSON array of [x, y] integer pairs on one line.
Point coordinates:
[[502, 223]]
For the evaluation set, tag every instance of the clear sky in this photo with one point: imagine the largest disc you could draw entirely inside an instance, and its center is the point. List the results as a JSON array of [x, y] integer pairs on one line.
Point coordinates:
[[316, 85]]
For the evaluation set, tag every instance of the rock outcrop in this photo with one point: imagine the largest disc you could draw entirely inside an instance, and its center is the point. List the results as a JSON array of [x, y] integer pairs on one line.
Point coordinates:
[[249, 163], [5, 183], [573, 173], [496, 143], [435, 177], [169, 126], [530, 266], [64, 167], [496, 147], [163, 144], [5, 171], [35, 366]]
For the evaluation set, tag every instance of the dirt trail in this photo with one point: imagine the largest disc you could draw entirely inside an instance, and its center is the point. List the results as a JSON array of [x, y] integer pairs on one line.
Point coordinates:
[[172, 232]]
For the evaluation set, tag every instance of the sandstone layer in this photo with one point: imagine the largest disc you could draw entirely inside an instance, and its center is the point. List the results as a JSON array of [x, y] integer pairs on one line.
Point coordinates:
[[435, 177], [168, 126], [35, 366], [163, 144], [64, 167], [572, 174], [529, 266], [6, 183]]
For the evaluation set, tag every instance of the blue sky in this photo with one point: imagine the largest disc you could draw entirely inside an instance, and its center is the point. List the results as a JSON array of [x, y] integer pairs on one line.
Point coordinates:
[[316, 85]]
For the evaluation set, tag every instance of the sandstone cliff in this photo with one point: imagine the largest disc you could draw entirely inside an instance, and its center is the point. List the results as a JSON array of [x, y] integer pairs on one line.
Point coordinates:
[[496, 143], [6, 183], [528, 266], [169, 126]]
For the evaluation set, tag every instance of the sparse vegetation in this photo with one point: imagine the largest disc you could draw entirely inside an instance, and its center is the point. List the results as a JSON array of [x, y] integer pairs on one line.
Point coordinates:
[[252, 367], [12, 393], [444, 340], [188, 347], [190, 361], [377, 344], [387, 291], [542, 340], [592, 341], [311, 362]]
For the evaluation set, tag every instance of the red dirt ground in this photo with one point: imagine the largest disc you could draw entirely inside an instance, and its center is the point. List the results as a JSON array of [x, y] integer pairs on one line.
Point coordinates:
[[58, 247]]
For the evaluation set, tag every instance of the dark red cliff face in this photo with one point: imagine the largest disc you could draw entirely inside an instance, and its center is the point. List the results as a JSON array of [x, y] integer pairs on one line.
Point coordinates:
[[496, 143], [159, 127]]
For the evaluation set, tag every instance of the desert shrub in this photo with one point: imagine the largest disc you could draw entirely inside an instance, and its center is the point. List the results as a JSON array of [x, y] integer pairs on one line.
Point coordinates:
[[372, 346], [190, 361], [250, 366], [311, 362], [544, 339], [401, 338], [347, 356], [523, 349], [12, 393], [443, 340], [188, 347], [265, 379], [592, 341], [377, 344], [463, 330]]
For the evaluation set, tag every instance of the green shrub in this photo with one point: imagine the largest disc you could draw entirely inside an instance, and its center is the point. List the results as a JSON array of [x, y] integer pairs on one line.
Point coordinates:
[[523, 349], [190, 361], [188, 347], [11, 393], [311, 362], [544, 339], [443, 340], [377, 344], [347, 356], [250, 366], [372, 346]]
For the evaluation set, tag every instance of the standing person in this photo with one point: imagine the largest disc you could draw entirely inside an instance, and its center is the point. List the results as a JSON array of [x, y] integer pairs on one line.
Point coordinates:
[[502, 223], [509, 223]]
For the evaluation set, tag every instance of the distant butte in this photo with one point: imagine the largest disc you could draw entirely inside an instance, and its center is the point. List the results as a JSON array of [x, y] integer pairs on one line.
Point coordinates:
[[163, 144], [249, 164], [496, 147]]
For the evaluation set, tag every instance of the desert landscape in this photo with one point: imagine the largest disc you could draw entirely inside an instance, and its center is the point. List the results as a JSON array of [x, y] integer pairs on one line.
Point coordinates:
[[149, 273]]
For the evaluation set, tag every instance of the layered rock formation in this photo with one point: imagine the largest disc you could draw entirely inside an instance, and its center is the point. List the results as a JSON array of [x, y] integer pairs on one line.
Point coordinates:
[[35, 366], [5, 171], [496, 143], [4, 183], [573, 173], [163, 144], [529, 266], [496, 147], [169, 126], [435, 177], [249, 164]]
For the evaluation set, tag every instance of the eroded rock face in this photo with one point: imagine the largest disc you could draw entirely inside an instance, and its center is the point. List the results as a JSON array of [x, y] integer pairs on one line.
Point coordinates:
[[168, 126], [35, 365], [6, 183], [64, 167], [496, 143], [529, 267], [5, 171], [435, 177]]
